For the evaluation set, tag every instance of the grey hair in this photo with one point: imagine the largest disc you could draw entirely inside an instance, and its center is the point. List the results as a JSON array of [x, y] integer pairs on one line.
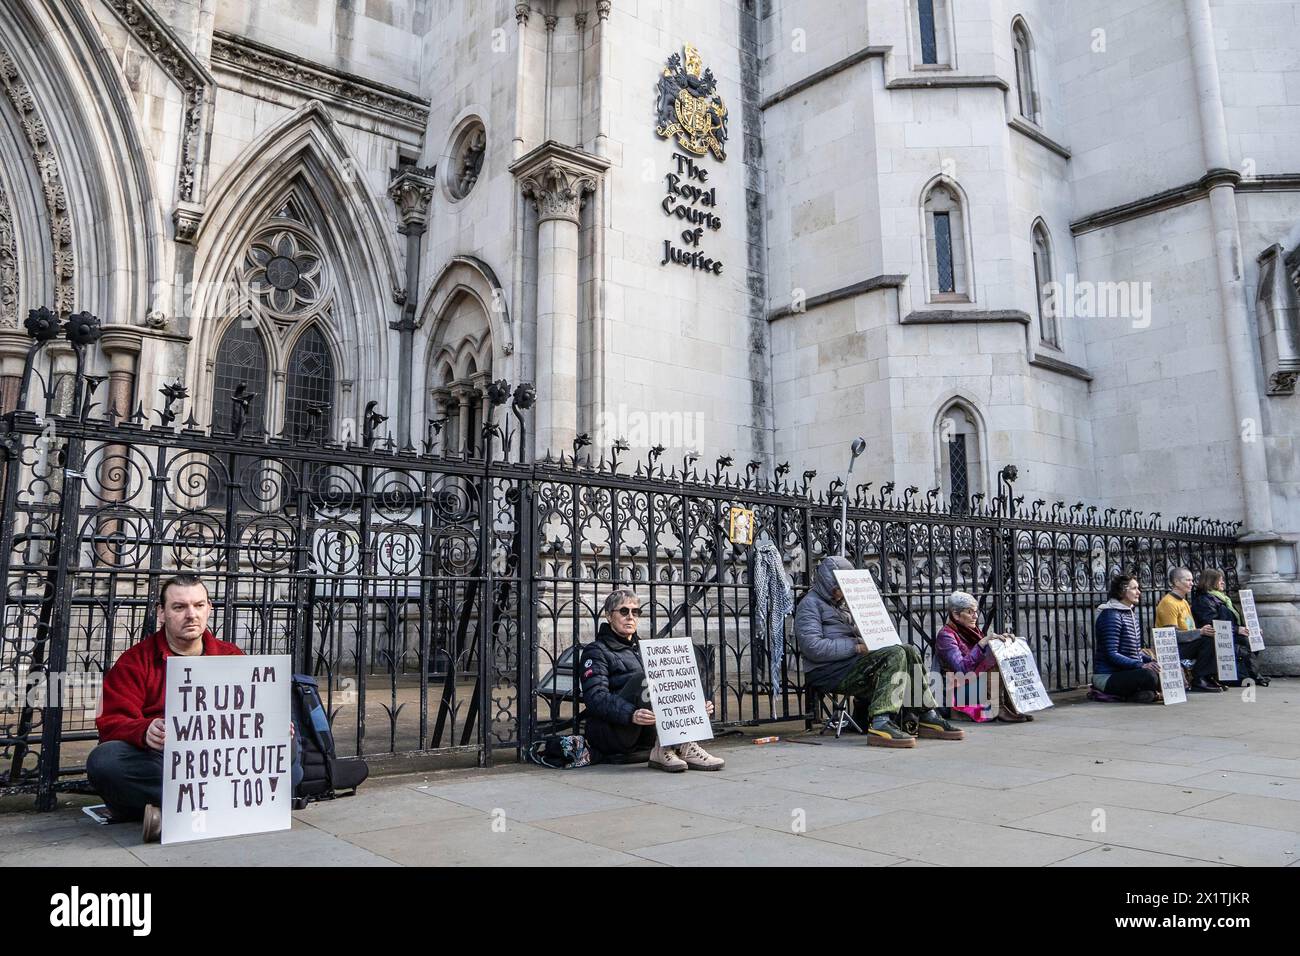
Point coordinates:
[[617, 597], [960, 601], [1177, 573]]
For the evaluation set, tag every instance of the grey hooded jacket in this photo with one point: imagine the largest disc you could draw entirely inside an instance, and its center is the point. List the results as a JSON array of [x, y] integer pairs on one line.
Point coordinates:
[[827, 640]]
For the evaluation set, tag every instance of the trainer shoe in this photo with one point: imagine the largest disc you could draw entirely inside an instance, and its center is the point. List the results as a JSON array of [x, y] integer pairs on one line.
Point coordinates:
[[883, 732], [665, 758], [930, 724], [151, 827], [697, 758]]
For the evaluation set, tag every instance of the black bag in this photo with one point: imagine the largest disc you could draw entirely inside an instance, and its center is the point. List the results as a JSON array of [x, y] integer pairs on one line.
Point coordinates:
[[567, 752], [323, 773]]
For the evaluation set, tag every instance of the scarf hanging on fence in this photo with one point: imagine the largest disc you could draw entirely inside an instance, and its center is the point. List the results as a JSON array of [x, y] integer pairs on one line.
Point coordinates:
[[774, 593]]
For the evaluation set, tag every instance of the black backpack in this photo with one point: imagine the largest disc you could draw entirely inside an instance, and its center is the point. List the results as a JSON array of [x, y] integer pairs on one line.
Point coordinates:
[[323, 773]]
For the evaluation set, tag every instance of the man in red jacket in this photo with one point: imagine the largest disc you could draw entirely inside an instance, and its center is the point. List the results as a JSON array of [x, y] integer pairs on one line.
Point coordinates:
[[126, 769]]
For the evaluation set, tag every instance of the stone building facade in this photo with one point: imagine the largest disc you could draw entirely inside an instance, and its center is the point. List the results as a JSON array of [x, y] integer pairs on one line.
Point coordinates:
[[1061, 235]]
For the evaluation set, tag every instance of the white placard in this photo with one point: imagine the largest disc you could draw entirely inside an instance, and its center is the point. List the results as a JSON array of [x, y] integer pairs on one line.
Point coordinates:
[[1171, 665], [868, 609], [227, 759], [1252, 619], [676, 695], [1223, 649], [1020, 675]]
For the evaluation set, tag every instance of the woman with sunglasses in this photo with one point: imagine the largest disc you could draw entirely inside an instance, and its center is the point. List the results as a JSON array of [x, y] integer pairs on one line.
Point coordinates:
[[619, 725]]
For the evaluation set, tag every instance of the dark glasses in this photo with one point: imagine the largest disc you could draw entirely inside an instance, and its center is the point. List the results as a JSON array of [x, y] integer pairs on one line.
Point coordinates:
[[628, 611]]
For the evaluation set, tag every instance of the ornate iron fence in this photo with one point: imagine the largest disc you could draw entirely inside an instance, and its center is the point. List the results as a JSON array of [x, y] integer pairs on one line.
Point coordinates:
[[437, 594]]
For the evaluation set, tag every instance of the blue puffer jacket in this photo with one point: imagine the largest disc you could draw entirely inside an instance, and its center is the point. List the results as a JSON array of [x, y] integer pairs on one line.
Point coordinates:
[[1118, 637]]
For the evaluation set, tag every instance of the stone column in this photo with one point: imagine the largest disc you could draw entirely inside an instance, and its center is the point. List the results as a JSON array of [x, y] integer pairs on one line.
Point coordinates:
[[463, 394], [479, 381], [14, 344], [121, 345], [441, 402], [411, 190], [557, 178], [1276, 598]]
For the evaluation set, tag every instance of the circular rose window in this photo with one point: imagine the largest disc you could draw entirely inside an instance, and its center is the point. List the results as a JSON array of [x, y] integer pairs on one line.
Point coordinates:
[[467, 159]]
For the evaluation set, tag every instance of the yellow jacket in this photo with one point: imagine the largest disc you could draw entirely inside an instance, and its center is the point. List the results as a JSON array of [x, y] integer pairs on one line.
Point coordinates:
[[1173, 611]]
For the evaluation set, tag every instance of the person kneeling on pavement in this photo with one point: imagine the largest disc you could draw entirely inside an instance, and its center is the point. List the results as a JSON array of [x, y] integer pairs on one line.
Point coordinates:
[[881, 680], [126, 769], [619, 724]]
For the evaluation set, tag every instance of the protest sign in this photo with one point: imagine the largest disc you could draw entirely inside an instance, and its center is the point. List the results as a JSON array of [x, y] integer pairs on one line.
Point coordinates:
[[868, 609], [1252, 620], [1223, 650], [227, 758], [1171, 665], [676, 695], [1020, 675]]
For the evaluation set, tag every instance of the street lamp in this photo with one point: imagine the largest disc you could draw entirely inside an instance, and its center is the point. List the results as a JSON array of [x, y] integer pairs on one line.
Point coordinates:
[[857, 448]]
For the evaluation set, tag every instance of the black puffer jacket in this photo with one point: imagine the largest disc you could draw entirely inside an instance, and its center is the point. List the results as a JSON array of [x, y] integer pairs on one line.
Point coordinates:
[[611, 672], [1207, 609]]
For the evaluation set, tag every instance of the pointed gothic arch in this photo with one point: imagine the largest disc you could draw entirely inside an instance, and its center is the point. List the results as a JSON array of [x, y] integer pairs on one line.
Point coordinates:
[[297, 180], [103, 247]]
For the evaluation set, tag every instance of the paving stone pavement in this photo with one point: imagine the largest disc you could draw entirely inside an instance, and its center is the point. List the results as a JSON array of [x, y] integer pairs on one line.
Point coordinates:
[[1213, 782]]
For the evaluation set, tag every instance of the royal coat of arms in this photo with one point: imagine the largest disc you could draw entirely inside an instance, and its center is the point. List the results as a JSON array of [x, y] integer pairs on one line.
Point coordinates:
[[689, 107]]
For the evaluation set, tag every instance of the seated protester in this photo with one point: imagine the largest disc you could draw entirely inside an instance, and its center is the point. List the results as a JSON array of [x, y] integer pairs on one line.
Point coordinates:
[[842, 664], [1211, 603], [1194, 643], [1120, 667], [964, 652], [618, 728], [126, 769]]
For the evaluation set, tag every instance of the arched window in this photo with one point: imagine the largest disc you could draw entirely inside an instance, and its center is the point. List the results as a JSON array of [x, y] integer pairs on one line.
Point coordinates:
[[945, 243], [241, 358], [1026, 89], [1049, 330], [961, 470], [932, 28], [310, 387]]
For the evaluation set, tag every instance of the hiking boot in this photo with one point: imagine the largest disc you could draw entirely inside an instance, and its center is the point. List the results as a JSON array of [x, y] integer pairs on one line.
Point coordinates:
[[697, 758], [883, 732], [665, 758], [151, 827], [1143, 697], [934, 727]]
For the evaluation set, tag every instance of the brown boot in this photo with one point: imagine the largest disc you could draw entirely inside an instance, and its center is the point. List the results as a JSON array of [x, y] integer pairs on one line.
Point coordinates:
[[665, 758]]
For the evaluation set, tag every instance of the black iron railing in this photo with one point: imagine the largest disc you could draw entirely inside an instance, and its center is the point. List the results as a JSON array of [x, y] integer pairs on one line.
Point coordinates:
[[437, 595]]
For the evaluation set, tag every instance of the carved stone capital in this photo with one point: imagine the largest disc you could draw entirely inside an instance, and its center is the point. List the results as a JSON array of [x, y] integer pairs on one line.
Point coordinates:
[[187, 217], [412, 191], [557, 178], [580, 20], [602, 9], [551, 20], [522, 10]]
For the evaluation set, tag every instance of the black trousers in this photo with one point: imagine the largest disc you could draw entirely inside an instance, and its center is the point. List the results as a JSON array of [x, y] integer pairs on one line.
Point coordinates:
[[613, 743], [1124, 684], [1200, 651]]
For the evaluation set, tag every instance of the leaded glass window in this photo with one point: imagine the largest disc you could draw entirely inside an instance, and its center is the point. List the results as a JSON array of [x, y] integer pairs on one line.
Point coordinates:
[[929, 41]]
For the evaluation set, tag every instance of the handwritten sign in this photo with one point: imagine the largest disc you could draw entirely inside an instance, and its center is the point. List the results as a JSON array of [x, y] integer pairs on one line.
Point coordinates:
[[1020, 675], [227, 762], [676, 695], [868, 609], [1252, 620], [1223, 650], [1171, 665]]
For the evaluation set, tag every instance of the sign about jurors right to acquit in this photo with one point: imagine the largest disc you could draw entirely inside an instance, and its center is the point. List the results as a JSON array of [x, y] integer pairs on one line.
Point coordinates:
[[868, 609], [676, 694], [1251, 615], [1171, 666], [227, 758], [1020, 675]]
